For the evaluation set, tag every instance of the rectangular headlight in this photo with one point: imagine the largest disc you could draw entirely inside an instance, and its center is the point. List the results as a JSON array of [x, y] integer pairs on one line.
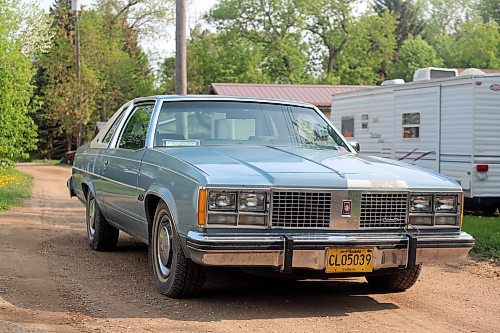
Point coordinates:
[[421, 203], [446, 220], [256, 220], [446, 204], [222, 201], [251, 201]]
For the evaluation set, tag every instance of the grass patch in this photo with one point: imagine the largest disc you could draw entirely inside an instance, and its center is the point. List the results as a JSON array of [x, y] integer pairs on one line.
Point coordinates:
[[51, 162], [15, 186], [486, 231]]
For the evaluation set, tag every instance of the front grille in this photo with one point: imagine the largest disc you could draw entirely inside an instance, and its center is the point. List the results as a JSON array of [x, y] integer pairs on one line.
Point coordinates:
[[383, 210], [301, 209]]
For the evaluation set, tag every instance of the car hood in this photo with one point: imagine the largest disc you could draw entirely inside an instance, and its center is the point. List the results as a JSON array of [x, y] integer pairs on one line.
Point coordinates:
[[302, 167]]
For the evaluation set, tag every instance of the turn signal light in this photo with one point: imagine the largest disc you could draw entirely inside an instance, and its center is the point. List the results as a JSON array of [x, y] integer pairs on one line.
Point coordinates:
[[482, 167], [202, 207]]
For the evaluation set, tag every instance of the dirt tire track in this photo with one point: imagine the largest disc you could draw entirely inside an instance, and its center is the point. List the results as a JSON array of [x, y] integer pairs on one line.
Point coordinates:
[[51, 281]]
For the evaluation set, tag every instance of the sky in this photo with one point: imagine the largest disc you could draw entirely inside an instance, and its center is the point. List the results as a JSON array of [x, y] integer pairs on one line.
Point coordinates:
[[161, 47]]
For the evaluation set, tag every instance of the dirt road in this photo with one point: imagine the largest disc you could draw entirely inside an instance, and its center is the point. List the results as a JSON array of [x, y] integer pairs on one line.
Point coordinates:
[[50, 281]]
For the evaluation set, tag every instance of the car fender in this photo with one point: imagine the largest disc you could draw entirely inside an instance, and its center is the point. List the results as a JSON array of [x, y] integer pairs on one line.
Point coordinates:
[[88, 182], [167, 197]]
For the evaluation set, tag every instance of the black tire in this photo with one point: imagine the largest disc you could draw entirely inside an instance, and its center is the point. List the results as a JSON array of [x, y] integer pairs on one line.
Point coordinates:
[[395, 282], [102, 236], [489, 210], [175, 275]]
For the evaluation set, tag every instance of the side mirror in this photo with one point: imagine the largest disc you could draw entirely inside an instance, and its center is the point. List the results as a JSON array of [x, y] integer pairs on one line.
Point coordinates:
[[355, 145]]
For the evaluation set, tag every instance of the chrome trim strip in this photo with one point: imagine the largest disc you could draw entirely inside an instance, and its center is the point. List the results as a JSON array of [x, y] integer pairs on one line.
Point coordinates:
[[109, 179]]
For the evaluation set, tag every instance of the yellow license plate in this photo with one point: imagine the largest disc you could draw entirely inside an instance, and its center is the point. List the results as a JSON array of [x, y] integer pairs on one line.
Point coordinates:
[[349, 260]]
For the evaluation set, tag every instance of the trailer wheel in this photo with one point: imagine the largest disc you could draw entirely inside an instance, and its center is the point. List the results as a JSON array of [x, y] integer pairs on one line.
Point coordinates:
[[489, 210]]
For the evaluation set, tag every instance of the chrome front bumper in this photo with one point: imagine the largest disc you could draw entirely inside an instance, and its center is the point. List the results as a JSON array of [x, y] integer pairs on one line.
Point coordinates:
[[290, 251]]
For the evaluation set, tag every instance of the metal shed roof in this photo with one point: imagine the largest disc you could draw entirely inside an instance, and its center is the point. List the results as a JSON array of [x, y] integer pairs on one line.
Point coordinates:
[[318, 95]]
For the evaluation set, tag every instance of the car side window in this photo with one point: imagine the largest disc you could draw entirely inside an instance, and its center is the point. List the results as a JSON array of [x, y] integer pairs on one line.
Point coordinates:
[[112, 129], [134, 133]]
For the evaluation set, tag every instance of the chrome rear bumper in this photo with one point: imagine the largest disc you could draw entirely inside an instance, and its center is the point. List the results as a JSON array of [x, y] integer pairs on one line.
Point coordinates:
[[287, 252]]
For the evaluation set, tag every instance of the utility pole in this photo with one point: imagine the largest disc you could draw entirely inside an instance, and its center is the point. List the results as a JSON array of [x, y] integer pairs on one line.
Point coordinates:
[[180, 41], [76, 8], [180, 63]]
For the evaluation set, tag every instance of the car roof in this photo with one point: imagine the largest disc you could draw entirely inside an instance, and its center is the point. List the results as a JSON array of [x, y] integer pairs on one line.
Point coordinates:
[[223, 98]]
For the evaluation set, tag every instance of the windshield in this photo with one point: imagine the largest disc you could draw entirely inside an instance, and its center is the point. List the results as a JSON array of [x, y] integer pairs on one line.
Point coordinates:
[[204, 123]]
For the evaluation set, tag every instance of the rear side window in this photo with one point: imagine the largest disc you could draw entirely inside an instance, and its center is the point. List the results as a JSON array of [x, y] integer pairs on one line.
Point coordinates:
[[112, 129], [134, 134]]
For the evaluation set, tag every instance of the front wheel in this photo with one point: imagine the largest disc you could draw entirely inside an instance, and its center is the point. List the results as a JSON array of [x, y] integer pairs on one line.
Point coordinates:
[[175, 275], [395, 282]]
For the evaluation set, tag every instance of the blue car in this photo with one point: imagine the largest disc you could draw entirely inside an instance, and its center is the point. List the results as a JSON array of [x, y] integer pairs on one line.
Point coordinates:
[[265, 185]]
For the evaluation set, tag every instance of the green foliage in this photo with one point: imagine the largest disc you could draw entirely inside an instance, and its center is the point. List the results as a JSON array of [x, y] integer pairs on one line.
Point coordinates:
[[367, 57], [272, 26], [14, 188], [478, 45], [409, 15], [114, 69], [488, 10], [17, 130], [330, 24], [486, 231], [223, 58], [415, 53]]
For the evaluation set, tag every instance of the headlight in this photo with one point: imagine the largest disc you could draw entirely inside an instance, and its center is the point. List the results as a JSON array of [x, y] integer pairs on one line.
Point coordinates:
[[255, 202], [222, 200], [446, 203], [421, 203]]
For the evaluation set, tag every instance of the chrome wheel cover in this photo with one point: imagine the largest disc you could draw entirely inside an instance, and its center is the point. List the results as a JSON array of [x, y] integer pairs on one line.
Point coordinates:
[[164, 247], [91, 218]]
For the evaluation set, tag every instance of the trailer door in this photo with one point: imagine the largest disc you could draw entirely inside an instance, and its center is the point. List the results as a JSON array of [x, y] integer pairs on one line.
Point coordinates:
[[416, 126]]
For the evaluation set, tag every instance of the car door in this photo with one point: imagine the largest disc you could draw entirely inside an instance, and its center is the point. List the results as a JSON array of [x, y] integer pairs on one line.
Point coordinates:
[[120, 171]]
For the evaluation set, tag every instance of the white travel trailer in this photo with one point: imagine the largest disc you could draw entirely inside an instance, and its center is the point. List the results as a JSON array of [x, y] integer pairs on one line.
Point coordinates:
[[450, 125]]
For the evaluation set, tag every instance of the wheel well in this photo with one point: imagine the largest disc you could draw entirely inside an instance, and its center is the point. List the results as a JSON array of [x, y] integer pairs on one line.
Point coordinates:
[[150, 203], [85, 189]]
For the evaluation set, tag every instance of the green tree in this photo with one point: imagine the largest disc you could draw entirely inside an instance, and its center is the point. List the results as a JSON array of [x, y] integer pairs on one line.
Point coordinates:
[[223, 57], [477, 45], [415, 53], [409, 15], [330, 23], [114, 68], [17, 47], [367, 56], [488, 10], [275, 27]]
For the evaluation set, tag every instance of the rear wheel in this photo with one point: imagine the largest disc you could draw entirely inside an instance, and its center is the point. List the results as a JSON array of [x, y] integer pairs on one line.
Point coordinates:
[[175, 275], [102, 236], [395, 282]]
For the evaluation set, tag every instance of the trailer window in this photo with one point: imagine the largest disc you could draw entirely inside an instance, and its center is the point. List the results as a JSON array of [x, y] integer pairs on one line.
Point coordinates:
[[364, 121], [411, 125], [348, 126]]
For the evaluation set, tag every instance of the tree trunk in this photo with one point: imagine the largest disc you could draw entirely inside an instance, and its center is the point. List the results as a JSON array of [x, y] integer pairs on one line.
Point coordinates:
[[331, 60], [102, 111], [68, 139]]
